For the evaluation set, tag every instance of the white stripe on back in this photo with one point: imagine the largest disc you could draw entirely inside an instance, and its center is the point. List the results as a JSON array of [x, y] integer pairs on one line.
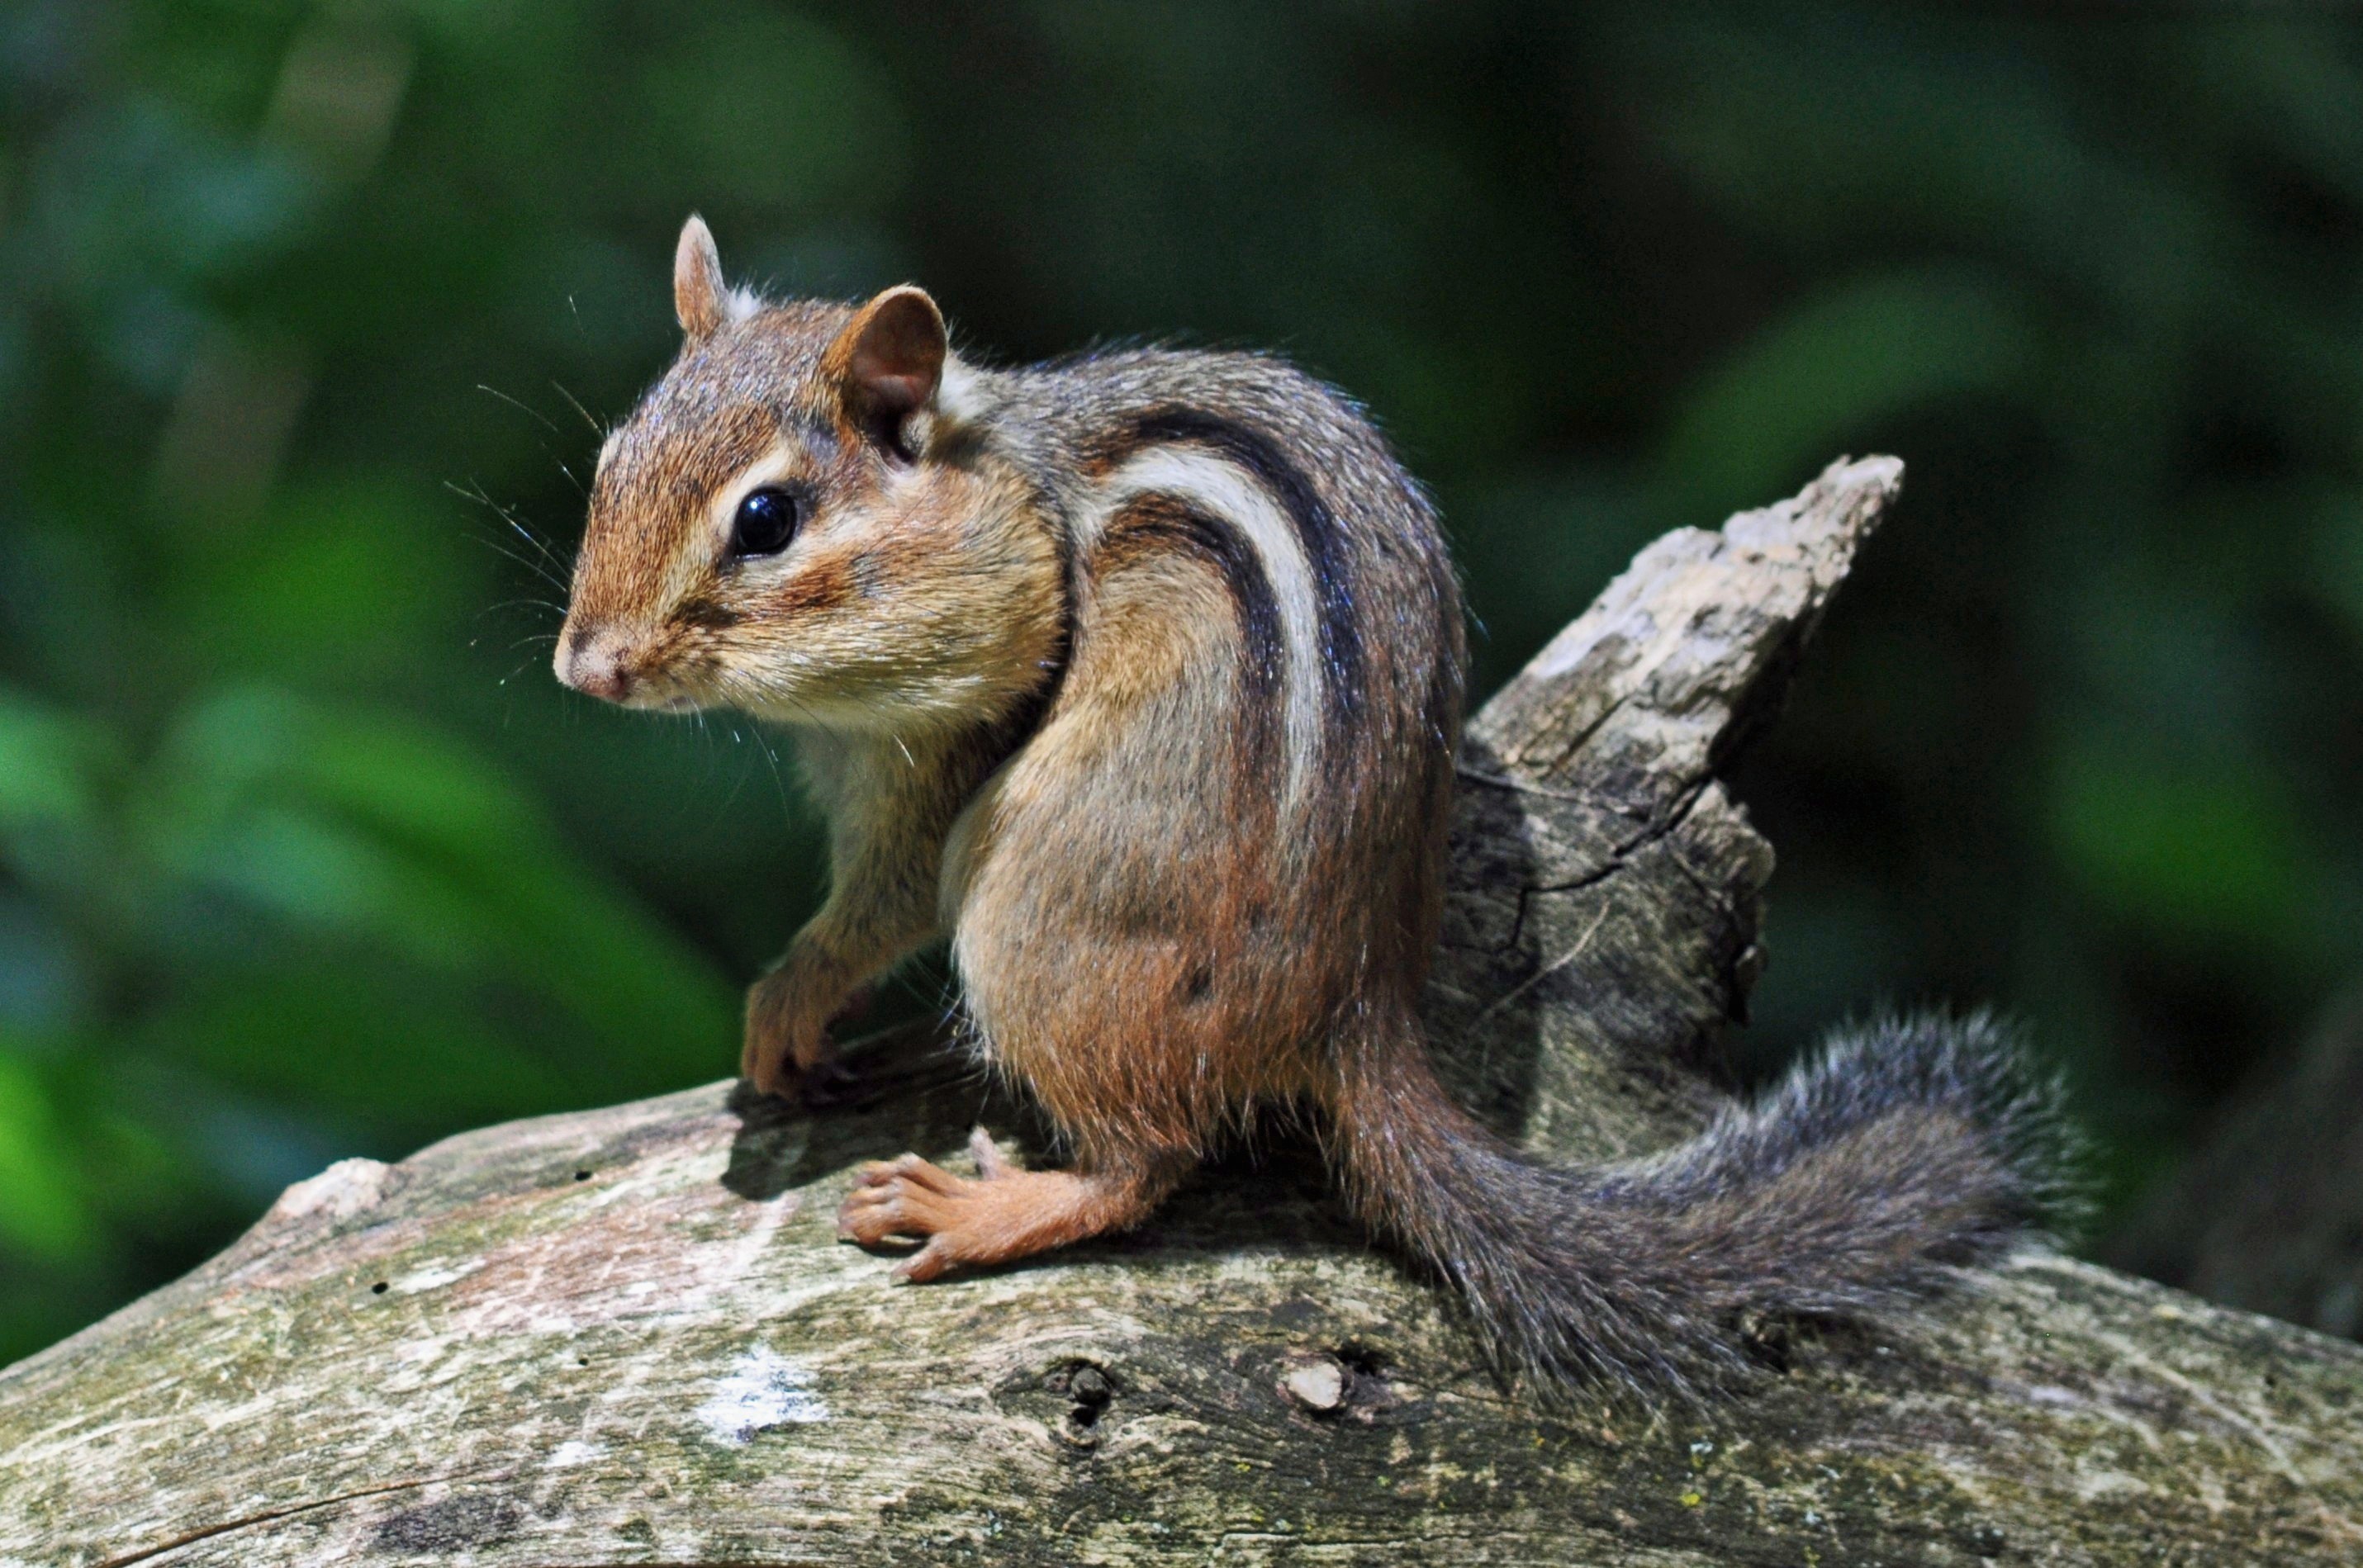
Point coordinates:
[[1224, 491]]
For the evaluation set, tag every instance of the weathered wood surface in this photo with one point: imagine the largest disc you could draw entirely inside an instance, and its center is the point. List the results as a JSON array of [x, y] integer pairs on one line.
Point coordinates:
[[629, 1335]]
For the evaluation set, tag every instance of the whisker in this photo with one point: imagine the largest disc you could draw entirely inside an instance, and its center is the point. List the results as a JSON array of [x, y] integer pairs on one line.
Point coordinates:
[[596, 428], [522, 666], [778, 783], [508, 515], [549, 604], [512, 402], [557, 461], [535, 567]]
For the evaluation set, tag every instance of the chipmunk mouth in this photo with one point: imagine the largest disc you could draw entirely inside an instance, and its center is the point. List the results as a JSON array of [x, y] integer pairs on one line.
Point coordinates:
[[657, 696]]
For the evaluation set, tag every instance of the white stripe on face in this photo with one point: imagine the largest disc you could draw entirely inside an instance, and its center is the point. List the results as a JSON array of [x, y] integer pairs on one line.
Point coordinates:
[[699, 551], [1222, 490]]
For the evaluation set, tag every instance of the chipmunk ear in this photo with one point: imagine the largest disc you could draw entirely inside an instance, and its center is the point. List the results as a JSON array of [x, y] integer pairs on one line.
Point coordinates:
[[888, 359], [700, 298]]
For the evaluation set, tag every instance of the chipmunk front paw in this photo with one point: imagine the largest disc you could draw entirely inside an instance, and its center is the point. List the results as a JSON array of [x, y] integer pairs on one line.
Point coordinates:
[[788, 1047]]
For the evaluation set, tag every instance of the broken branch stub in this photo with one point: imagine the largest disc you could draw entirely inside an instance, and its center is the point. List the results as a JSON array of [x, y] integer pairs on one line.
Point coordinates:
[[1603, 917], [629, 1335]]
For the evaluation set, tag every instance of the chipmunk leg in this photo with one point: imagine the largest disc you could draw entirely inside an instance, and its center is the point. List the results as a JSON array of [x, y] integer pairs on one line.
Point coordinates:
[[1002, 1213], [822, 979], [887, 827]]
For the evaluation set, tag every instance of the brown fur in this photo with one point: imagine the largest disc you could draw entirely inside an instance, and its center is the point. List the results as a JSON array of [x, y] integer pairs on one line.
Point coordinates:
[[1139, 676]]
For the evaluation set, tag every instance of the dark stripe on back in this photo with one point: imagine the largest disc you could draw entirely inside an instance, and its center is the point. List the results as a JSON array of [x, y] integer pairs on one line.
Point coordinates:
[[1316, 528], [1174, 523]]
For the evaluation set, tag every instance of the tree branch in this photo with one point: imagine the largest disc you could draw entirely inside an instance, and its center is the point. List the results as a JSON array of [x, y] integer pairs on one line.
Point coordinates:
[[629, 1336]]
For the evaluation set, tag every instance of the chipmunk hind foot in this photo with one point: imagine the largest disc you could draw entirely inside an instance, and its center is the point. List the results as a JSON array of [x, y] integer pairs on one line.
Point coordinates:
[[999, 1216]]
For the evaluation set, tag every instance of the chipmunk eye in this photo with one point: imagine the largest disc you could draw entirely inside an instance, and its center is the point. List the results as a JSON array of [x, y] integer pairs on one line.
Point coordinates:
[[767, 520]]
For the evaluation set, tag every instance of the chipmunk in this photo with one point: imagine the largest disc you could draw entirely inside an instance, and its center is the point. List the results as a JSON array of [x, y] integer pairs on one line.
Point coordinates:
[[1139, 676]]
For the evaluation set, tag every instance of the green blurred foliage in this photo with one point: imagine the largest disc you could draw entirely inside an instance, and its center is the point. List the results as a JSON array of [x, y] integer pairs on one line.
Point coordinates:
[[303, 854]]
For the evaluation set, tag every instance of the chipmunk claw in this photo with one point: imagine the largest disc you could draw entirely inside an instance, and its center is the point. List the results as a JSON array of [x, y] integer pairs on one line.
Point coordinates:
[[788, 1049], [987, 1154], [926, 1263], [769, 1067]]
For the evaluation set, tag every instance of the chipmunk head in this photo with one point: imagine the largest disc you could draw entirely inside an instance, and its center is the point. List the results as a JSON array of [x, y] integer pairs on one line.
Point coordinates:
[[786, 524]]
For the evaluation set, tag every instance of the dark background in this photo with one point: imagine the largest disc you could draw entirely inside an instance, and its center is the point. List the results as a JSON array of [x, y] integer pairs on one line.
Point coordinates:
[[303, 854]]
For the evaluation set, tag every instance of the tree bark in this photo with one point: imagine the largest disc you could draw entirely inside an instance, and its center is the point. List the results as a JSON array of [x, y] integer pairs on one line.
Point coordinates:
[[630, 1336]]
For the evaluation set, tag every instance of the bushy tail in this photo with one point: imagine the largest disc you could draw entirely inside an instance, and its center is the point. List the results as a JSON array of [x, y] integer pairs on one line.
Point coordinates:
[[1906, 1148]]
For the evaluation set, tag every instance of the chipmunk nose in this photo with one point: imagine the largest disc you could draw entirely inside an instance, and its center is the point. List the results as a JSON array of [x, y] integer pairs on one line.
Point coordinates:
[[591, 661]]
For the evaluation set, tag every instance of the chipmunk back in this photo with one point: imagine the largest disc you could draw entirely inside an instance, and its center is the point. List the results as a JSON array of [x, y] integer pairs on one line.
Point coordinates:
[[1139, 676]]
